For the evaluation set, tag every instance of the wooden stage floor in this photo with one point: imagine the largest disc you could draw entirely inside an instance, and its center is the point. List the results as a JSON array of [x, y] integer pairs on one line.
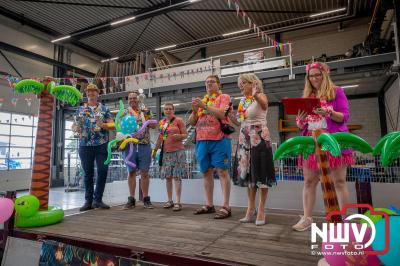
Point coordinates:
[[198, 236]]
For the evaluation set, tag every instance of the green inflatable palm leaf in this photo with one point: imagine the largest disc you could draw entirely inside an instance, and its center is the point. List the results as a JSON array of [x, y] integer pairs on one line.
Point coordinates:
[[348, 140], [390, 150], [295, 146], [329, 143], [29, 86], [378, 147]]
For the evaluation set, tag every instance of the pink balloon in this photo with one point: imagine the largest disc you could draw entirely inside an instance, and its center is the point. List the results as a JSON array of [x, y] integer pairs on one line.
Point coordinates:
[[356, 260], [6, 209]]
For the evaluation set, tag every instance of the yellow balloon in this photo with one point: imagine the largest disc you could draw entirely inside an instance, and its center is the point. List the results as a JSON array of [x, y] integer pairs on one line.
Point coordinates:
[[126, 141]]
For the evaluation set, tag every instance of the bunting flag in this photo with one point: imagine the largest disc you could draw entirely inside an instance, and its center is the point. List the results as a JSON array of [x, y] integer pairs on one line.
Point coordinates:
[[73, 81], [89, 80], [1, 102], [28, 101], [251, 25], [14, 101], [104, 81], [116, 80]]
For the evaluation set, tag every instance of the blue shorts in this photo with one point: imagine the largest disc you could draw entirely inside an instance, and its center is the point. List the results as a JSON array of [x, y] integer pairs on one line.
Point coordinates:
[[141, 157], [214, 154]]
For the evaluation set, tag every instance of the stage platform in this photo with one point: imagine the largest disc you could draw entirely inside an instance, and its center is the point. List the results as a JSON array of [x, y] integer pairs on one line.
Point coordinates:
[[187, 235]]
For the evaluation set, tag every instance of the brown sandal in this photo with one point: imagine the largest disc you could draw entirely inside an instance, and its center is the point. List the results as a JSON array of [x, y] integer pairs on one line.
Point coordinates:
[[205, 209], [223, 213], [168, 204], [177, 207]]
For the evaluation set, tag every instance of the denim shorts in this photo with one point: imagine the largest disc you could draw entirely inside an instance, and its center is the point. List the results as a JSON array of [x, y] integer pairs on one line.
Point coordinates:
[[214, 154], [141, 157]]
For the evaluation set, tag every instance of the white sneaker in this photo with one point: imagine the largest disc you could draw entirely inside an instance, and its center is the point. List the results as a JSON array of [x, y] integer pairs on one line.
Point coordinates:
[[303, 224]]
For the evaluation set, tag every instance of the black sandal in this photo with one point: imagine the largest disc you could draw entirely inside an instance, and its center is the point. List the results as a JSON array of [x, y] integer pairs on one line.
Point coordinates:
[[223, 213], [204, 210]]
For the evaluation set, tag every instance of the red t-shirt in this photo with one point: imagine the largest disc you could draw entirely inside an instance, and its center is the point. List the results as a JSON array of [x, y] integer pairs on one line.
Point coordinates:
[[176, 127], [208, 126]]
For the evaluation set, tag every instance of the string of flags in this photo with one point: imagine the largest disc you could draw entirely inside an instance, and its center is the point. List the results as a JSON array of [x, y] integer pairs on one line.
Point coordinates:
[[247, 21]]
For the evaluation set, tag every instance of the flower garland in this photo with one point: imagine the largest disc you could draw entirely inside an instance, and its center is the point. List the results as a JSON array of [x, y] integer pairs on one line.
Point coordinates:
[[164, 134], [209, 101], [242, 108]]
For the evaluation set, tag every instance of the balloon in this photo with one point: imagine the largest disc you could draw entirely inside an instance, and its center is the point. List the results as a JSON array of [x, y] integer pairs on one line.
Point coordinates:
[[390, 150], [126, 141], [118, 117], [129, 163], [329, 143], [6, 209], [128, 124], [392, 257], [376, 218], [286, 148], [29, 86], [349, 140], [27, 205], [109, 152], [146, 124], [356, 260]]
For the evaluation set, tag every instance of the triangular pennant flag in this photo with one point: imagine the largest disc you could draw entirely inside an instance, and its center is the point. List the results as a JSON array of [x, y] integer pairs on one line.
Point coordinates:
[[237, 9], [254, 27], [28, 101], [89, 80], [249, 20], [1, 102], [244, 17], [116, 80], [14, 101], [73, 81], [104, 81], [229, 3]]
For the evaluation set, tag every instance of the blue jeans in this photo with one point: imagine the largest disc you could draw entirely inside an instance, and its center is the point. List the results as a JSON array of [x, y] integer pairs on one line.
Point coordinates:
[[88, 155]]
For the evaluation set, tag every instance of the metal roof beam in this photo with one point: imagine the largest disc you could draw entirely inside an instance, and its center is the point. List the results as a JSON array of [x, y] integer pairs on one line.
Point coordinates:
[[81, 4], [20, 18], [156, 10], [16, 50]]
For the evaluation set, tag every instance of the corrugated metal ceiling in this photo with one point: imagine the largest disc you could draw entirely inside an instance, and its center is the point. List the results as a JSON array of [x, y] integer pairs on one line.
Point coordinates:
[[200, 20]]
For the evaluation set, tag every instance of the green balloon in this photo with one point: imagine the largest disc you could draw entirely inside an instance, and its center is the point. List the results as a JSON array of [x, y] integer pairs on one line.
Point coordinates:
[[27, 205], [377, 218]]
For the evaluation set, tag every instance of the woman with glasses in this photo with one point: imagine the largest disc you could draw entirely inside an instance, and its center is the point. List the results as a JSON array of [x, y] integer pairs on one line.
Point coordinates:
[[331, 117], [213, 147], [256, 167], [173, 159]]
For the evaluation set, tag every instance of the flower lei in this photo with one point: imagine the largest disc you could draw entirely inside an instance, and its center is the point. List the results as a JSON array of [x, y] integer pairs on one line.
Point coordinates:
[[242, 108], [162, 124], [209, 101]]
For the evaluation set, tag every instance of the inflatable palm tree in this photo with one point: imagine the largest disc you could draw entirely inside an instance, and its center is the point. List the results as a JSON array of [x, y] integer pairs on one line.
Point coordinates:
[[319, 144], [388, 147], [45, 91]]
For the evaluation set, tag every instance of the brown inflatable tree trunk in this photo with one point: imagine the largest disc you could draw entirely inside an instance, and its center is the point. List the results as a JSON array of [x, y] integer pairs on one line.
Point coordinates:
[[42, 157], [328, 189]]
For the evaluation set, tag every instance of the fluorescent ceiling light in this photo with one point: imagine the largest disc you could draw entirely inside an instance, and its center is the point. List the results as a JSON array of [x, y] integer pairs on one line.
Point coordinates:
[[110, 59], [235, 32], [193, 1], [350, 86], [166, 47], [122, 21], [62, 38], [327, 12]]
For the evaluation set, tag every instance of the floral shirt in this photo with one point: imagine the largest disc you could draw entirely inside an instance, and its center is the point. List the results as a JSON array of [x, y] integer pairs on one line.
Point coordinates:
[[86, 117]]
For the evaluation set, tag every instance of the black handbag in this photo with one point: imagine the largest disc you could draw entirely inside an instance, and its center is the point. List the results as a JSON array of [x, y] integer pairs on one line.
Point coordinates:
[[226, 128]]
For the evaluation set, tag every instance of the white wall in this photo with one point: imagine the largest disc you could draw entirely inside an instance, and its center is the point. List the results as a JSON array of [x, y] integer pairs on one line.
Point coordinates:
[[392, 102]]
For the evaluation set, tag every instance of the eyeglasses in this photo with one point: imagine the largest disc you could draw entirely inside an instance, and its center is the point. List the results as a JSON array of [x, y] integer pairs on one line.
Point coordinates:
[[168, 109], [211, 81], [315, 76]]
